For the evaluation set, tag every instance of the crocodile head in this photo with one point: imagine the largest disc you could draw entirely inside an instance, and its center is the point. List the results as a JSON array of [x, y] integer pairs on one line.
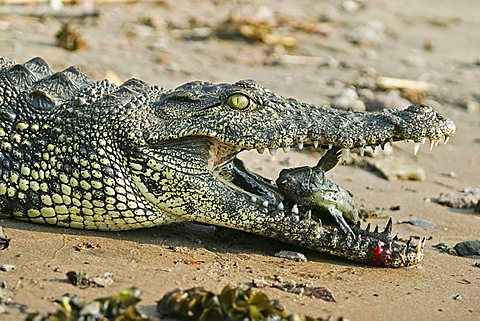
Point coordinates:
[[92, 155], [226, 119]]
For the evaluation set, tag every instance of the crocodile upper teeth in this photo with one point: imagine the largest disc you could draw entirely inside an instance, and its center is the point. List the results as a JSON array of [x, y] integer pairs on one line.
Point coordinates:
[[416, 147]]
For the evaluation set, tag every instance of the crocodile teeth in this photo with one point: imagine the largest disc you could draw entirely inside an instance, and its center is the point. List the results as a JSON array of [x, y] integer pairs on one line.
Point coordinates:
[[315, 143], [345, 154], [361, 150], [391, 142], [416, 147], [368, 227], [300, 145], [330, 146], [424, 140], [407, 247], [376, 229], [432, 143], [286, 149], [265, 203], [308, 215], [373, 147], [418, 248], [295, 219], [388, 229], [446, 139], [295, 209], [272, 151], [253, 199], [260, 150], [280, 206]]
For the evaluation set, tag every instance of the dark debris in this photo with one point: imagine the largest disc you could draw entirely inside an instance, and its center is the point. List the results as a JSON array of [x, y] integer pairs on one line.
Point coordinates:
[[232, 304], [87, 245], [81, 280], [118, 307], [4, 241]]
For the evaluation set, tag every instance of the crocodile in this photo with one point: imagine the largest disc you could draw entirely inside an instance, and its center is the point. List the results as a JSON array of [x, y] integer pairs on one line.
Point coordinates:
[[93, 155]]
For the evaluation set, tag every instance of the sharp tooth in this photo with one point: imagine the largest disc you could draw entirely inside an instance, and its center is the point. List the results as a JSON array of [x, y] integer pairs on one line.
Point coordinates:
[[300, 145], [446, 139], [308, 215], [361, 150], [395, 238], [358, 224], [253, 199], [345, 154], [260, 150], [388, 229], [424, 140], [408, 244], [382, 145], [295, 209], [373, 147], [315, 143], [295, 219], [272, 151], [368, 227], [280, 206], [265, 204], [416, 147], [330, 146], [418, 249], [432, 143], [437, 141], [391, 141], [286, 149], [376, 229]]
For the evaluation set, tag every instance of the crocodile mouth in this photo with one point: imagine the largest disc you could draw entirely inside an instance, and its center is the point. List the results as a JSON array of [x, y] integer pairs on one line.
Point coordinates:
[[265, 192], [375, 246]]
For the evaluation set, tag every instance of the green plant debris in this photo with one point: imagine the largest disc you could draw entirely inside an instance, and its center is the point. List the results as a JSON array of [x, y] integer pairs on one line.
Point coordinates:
[[232, 304], [118, 307]]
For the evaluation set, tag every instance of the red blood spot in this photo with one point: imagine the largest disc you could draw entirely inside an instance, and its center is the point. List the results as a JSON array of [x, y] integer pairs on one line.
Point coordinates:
[[377, 251]]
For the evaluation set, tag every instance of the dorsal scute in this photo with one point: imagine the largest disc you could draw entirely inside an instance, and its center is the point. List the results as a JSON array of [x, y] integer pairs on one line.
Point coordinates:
[[58, 87], [132, 93], [38, 67], [20, 76]]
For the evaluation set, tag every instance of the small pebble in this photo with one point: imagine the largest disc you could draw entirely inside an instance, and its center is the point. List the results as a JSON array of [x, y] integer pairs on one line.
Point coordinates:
[[7, 267], [458, 297], [348, 99], [387, 101], [467, 248], [295, 256], [420, 223]]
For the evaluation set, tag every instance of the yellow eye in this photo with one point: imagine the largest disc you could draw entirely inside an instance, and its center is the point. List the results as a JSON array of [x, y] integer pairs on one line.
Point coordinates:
[[238, 101]]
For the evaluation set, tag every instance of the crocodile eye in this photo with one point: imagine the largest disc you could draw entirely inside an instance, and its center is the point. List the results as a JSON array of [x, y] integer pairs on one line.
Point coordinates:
[[238, 101]]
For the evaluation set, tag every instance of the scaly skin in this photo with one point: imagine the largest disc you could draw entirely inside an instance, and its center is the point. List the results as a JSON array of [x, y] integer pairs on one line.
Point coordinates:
[[92, 155]]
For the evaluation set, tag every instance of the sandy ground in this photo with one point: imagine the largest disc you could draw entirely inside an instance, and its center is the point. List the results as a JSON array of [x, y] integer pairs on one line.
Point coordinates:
[[160, 259]]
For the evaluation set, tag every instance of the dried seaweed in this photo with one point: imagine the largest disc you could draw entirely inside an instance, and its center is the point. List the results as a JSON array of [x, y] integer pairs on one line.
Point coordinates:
[[118, 307], [232, 304]]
